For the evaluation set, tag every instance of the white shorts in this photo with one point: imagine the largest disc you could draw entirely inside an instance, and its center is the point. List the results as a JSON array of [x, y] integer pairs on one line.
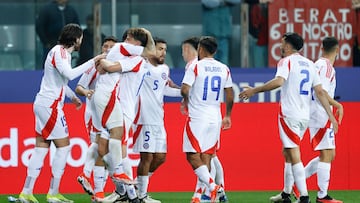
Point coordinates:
[[291, 131], [108, 109], [322, 138], [150, 138], [50, 123], [200, 137]]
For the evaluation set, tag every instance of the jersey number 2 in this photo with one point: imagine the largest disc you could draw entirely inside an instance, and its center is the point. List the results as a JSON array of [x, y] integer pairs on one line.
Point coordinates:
[[304, 81]]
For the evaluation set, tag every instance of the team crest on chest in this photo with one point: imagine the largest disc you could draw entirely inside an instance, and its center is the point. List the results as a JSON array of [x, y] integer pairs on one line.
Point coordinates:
[[164, 76]]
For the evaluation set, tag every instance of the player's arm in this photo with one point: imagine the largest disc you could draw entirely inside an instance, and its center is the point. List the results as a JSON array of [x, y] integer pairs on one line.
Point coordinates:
[[339, 107], [185, 89], [149, 49], [109, 66], [74, 99], [82, 91], [248, 92], [321, 95], [229, 100]]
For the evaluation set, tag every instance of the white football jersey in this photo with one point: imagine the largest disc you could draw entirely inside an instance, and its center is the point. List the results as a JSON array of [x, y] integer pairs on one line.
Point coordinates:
[[130, 84], [300, 76], [118, 52], [319, 117], [57, 73], [207, 78], [88, 81], [150, 109]]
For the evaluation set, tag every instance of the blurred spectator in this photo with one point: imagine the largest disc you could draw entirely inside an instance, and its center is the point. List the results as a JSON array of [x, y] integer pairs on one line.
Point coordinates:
[[87, 46], [258, 29], [356, 49], [50, 21], [217, 22]]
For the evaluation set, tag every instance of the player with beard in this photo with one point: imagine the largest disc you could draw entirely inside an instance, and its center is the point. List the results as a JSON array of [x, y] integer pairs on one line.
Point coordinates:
[[150, 135], [50, 122]]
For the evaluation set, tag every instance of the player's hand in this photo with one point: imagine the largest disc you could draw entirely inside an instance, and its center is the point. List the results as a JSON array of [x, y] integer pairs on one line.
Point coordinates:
[[339, 113], [226, 123], [246, 93], [77, 102], [99, 57], [184, 108], [99, 67], [89, 93]]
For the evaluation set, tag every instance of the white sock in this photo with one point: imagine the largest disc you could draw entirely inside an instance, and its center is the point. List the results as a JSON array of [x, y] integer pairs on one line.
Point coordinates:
[[219, 177], [143, 182], [131, 192], [91, 156], [120, 188], [99, 173], [108, 163], [127, 167], [54, 186], [58, 167], [299, 177], [311, 167], [199, 189], [35, 164], [116, 155], [288, 178], [203, 174], [323, 178]]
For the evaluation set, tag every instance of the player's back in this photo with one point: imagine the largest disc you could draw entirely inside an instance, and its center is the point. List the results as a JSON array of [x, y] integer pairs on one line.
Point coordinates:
[[211, 76], [53, 82], [295, 96], [326, 72]]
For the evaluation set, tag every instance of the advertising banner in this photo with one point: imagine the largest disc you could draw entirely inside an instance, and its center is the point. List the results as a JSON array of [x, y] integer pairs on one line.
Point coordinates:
[[251, 152], [313, 20]]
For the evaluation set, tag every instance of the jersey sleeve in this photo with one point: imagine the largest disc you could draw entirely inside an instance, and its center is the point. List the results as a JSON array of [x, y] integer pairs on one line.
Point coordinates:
[[283, 68], [228, 82], [316, 80], [121, 50], [61, 62], [190, 75], [131, 64], [326, 74], [87, 77]]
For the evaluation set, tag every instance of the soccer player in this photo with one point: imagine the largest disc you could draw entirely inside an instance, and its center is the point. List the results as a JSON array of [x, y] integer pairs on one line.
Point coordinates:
[[321, 132], [129, 90], [189, 51], [50, 122], [296, 75], [127, 57], [190, 56], [202, 88], [150, 135], [86, 87]]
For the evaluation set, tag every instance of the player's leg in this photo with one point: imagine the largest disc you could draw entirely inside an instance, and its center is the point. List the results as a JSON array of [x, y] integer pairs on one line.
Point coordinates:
[[324, 141], [58, 168], [35, 164]]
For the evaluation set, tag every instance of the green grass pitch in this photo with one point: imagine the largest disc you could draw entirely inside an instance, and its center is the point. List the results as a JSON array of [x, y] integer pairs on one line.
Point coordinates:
[[234, 197]]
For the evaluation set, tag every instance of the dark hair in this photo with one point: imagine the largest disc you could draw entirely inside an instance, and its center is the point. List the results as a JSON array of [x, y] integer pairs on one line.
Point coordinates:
[[69, 34], [329, 44], [296, 41], [124, 36], [159, 40], [110, 38], [193, 41], [137, 34], [208, 43]]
